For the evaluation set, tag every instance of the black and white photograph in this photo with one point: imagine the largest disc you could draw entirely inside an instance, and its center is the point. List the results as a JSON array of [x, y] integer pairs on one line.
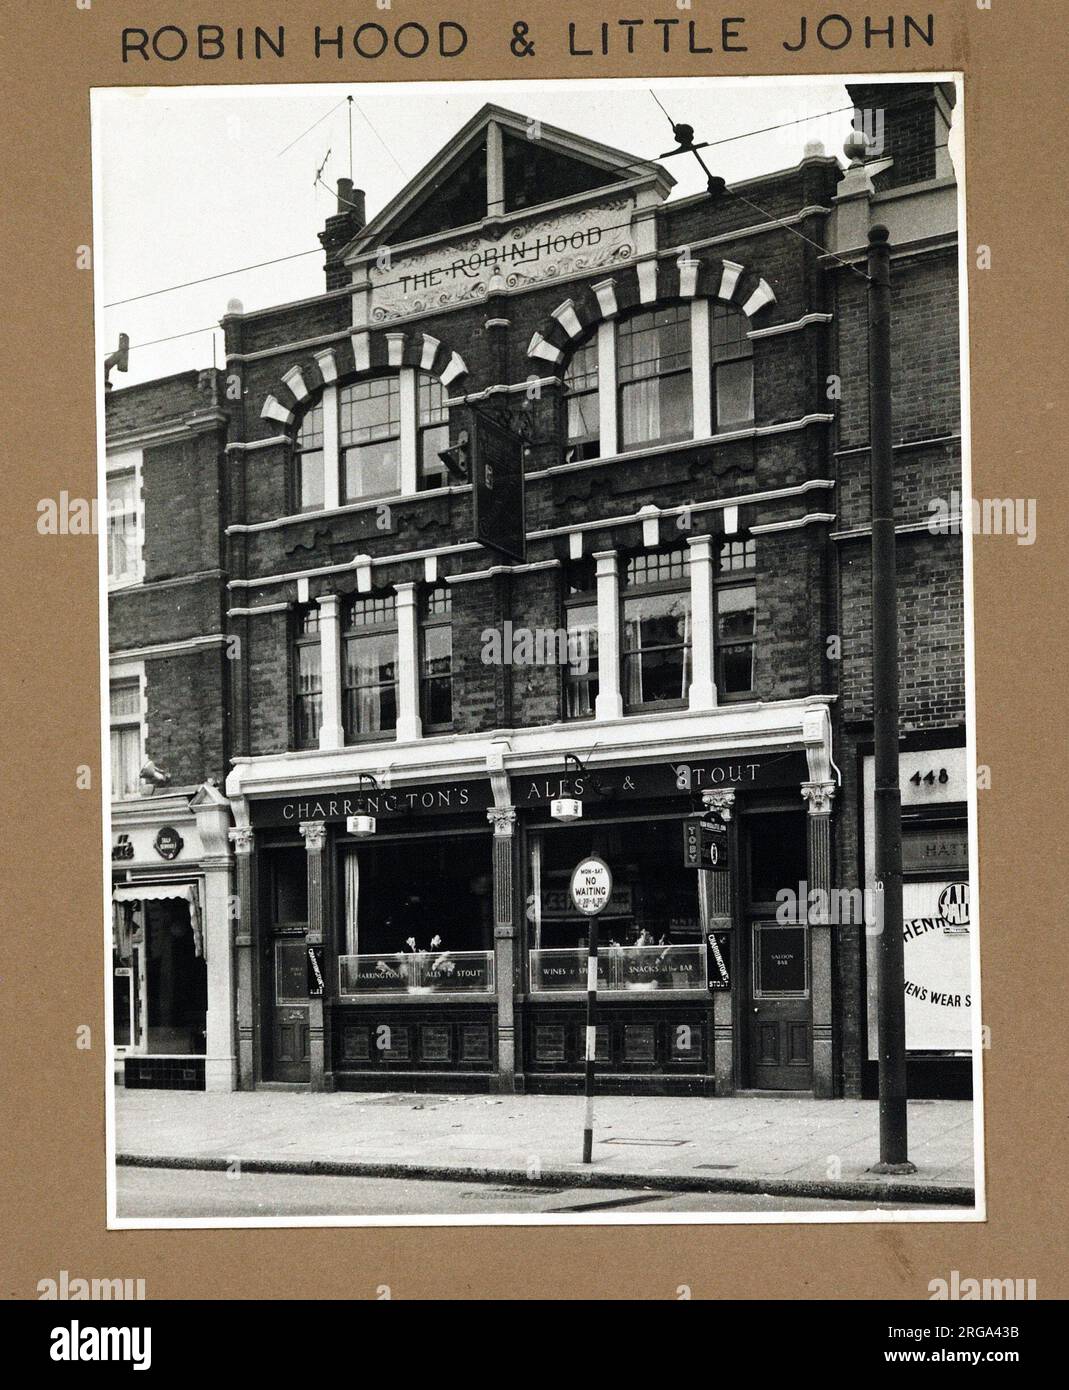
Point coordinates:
[[536, 618]]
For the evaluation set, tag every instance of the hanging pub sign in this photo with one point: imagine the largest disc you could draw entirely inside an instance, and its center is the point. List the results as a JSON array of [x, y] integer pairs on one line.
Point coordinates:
[[718, 954], [706, 843], [315, 972], [497, 487], [591, 886]]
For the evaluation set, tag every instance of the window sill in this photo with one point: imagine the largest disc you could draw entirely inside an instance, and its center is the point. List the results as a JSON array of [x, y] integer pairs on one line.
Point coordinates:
[[655, 708], [721, 437], [344, 509]]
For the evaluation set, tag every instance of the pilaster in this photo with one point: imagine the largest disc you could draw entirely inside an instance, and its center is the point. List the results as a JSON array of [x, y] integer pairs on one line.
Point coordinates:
[[819, 797], [315, 844], [244, 936], [503, 819]]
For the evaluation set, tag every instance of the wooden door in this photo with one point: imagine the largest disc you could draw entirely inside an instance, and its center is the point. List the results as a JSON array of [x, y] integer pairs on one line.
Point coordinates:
[[779, 1052], [289, 1010]]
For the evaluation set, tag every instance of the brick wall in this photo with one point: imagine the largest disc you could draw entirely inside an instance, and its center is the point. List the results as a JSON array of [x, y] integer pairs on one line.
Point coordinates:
[[186, 715], [925, 380], [183, 596], [931, 632]]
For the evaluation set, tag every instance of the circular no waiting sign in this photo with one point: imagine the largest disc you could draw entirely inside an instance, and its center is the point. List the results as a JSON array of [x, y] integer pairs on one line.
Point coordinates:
[[591, 886]]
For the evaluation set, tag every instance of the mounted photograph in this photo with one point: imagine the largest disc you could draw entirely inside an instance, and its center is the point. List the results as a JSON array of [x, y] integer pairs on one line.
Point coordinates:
[[537, 623]]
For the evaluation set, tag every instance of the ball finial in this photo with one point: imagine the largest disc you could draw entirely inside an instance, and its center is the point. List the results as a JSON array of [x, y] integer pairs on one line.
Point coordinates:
[[856, 146], [235, 306]]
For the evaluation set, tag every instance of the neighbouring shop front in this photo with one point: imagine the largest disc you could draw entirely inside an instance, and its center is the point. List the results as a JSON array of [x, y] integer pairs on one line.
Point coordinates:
[[938, 922], [439, 948], [170, 1014]]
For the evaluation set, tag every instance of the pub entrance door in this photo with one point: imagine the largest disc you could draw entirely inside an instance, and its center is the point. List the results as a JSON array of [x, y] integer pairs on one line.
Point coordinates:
[[290, 1056], [779, 1052], [776, 1013], [285, 971]]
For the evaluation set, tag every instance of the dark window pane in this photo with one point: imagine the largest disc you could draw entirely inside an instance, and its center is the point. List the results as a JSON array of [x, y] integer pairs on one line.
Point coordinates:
[[310, 481], [290, 902], [432, 441], [310, 431], [370, 410], [736, 612], [736, 669], [370, 710], [372, 470], [737, 555], [728, 333], [734, 394], [438, 700], [656, 620], [777, 854]]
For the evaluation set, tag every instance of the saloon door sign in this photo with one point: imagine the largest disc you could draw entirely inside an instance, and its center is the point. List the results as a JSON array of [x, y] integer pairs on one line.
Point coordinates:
[[938, 923]]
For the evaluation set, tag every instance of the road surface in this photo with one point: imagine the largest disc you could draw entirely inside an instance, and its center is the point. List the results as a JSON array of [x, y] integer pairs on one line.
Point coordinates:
[[177, 1193]]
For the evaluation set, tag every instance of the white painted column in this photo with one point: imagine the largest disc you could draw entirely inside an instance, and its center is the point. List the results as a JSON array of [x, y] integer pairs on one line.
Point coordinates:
[[607, 388], [331, 450], [331, 729], [213, 823], [409, 725], [702, 618], [609, 703], [701, 369], [409, 406]]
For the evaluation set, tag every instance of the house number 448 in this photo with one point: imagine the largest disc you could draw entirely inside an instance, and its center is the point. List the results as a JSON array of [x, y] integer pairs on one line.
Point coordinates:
[[929, 778]]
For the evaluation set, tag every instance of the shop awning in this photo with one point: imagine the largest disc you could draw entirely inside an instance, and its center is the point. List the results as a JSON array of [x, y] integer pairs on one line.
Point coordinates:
[[152, 892]]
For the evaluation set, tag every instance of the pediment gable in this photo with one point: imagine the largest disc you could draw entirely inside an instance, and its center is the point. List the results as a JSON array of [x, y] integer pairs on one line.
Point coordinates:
[[499, 164]]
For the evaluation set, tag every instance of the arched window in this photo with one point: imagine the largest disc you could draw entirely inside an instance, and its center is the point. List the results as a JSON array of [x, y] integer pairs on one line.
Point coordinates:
[[370, 438], [308, 460], [582, 415], [653, 365], [731, 355], [433, 431]]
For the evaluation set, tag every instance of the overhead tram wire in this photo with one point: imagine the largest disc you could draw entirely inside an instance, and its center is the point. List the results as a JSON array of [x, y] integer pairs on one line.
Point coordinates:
[[168, 289], [684, 135], [385, 282]]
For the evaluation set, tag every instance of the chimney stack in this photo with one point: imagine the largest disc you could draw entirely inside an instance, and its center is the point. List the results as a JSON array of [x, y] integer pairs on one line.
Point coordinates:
[[340, 230]]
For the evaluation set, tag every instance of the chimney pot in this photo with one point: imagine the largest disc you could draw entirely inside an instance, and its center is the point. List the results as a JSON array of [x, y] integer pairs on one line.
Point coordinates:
[[351, 200]]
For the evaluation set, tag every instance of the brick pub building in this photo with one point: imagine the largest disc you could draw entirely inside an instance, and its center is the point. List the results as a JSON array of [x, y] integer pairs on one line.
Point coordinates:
[[400, 716]]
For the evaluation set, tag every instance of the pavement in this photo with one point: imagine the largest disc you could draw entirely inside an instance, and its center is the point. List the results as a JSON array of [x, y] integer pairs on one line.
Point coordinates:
[[786, 1146]]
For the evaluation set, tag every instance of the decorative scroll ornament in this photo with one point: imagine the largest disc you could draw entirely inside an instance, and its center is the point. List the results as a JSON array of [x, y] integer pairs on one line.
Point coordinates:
[[541, 248], [721, 802], [819, 796]]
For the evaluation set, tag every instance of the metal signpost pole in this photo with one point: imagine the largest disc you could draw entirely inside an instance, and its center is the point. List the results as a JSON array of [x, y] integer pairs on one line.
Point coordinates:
[[591, 890], [894, 1157], [591, 1038]]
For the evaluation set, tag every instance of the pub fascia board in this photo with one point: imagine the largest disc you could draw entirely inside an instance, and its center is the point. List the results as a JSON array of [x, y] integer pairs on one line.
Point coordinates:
[[698, 735]]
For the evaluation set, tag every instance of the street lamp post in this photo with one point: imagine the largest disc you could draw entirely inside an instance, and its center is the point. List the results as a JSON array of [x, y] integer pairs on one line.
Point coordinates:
[[888, 797]]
